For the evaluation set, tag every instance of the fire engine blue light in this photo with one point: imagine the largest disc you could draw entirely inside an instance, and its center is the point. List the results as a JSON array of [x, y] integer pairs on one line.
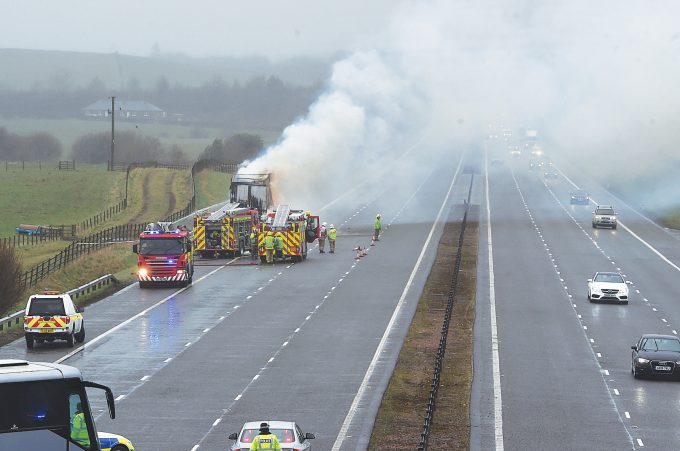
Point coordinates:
[[40, 416]]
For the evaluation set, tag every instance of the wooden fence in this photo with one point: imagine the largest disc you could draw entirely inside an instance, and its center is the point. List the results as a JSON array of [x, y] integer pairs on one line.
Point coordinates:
[[79, 248]]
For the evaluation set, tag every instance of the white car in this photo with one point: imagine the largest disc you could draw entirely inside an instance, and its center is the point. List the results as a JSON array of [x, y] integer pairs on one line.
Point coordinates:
[[608, 286], [289, 434]]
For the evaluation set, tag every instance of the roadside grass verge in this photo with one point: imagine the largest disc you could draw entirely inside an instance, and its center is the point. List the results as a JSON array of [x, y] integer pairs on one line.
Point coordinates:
[[400, 418], [211, 187]]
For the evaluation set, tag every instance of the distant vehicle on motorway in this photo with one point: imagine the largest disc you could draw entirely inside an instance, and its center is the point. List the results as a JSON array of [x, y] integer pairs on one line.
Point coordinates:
[[604, 216], [536, 151], [514, 151], [656, 355], [580, 197], [608, 286], [289, 434], [550, 174], [535, 164]]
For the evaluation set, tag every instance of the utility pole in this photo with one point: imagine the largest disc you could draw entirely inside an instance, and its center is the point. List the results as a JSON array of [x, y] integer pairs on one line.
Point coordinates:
[[113, 122]]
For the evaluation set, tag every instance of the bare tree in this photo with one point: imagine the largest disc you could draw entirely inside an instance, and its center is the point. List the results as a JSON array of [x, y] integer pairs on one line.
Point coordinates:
[[10, 289]]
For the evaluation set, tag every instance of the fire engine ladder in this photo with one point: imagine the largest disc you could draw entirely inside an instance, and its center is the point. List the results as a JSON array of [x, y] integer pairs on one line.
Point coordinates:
[[281, 217], [222, 212]]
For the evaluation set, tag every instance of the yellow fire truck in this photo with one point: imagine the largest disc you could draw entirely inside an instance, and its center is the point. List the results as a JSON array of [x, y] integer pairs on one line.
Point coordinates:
[[225, 232], [297, 229]]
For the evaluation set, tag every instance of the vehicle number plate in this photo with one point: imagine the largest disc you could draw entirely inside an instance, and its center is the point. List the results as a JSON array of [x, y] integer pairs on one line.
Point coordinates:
[[46, 331], [662, 368]]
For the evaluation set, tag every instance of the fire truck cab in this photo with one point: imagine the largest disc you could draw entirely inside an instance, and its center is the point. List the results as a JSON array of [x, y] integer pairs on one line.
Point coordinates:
[[164, 255]]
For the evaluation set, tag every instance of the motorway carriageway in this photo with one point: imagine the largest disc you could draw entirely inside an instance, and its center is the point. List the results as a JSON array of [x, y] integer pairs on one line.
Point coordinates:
[[313, 342], [563, 377]]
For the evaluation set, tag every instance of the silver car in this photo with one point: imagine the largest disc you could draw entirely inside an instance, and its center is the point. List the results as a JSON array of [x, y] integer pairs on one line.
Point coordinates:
[[289, 434], [604, 216]]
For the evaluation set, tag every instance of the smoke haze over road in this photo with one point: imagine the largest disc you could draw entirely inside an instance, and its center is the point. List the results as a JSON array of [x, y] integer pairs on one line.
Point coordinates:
[[597, 80]]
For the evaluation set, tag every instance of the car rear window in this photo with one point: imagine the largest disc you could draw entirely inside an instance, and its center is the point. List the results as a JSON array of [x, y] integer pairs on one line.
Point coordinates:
[[46, 307], [284, 435]]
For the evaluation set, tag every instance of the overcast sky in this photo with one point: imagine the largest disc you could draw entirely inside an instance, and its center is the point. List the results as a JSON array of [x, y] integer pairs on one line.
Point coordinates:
[[277, 29]]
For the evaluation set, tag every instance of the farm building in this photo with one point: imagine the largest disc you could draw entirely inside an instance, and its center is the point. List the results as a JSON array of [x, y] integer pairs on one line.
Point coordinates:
[[126, 109]]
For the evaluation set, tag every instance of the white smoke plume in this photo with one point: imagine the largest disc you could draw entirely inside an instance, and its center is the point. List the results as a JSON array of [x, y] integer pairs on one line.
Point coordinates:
[[598, 79]]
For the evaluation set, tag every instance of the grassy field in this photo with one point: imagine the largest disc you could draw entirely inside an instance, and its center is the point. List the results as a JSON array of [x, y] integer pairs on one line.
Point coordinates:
[[50, 196]]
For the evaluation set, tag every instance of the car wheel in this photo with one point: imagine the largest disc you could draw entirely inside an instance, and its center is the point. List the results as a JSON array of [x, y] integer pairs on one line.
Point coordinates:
[[143, 285], [594, 226], [80, 336], [636, 375], [120, 447], [613, 227], [589, 298], [29, 342], [69, 340], [624, 302]]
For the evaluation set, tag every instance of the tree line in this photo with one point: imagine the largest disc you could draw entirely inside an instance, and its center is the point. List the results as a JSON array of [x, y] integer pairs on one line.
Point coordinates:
[[131, 147]]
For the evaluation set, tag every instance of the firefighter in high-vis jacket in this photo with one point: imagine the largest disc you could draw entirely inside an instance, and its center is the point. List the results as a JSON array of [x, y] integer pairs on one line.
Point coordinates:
[[253, 244], [265, 439], [278, 244], [376, 228], [269, 246], [332, 234]]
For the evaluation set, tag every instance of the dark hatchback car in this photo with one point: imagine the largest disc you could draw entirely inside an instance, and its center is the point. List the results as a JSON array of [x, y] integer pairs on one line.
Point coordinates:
[[580, 197], [656, 355]]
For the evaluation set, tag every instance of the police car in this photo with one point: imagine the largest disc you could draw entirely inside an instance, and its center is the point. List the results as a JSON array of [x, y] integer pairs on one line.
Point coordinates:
[[53, 316], [114, 442], [289, 434]]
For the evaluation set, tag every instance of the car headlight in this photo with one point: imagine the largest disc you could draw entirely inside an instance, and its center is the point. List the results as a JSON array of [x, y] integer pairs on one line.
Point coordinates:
[[143, 272], [597, 291], [642, 360], [598, 218]]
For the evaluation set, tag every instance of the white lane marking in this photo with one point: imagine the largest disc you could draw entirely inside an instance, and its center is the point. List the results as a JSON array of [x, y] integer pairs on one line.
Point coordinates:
[[119, 397], [217, 421], [271, 359], [167, 360], [309, 316], [342, 434], [285, 343], [297, 330], [664, 320], [654, 308], [238, 397], [605, 372], [599, 355], [145, 378], [640, 443], [132, 318], [194, 448], [616, 392], [187, 345], [498, 401], [207, 329], [675, 332], [250, 296], [592, 340], [256, 377], [627, 414]]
